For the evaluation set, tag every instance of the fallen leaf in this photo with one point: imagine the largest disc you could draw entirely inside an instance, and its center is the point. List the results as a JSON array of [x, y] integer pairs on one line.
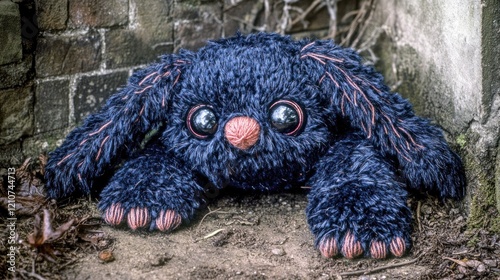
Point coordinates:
[[44, 234]]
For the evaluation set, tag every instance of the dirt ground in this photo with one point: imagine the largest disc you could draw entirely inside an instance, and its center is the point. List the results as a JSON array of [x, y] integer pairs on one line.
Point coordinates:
[[253, 237]]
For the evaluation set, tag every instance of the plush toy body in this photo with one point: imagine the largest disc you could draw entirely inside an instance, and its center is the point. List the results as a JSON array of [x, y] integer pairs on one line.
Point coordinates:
[[268, 113]]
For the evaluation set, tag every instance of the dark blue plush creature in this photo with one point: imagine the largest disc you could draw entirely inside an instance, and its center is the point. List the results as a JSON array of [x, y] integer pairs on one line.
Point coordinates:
[[262, 112]]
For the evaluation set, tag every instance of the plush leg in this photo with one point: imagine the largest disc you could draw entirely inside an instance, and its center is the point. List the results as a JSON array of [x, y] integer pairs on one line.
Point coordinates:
[[356, 206], [151, 190]]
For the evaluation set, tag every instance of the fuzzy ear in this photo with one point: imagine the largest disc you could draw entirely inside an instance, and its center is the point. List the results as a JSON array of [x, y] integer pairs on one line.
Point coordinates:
[[359, 95], [117, 130]]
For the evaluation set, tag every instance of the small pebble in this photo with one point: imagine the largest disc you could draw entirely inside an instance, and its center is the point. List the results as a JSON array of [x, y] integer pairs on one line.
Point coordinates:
[[481, 268], [106, 256], [278, 252], [490, 263]]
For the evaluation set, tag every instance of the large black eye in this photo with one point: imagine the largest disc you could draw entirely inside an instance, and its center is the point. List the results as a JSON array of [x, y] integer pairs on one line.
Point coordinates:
[[286, 117], [202, 121]]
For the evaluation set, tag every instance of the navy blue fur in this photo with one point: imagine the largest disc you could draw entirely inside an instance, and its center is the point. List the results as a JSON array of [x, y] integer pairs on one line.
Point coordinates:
[[157, 181], [356, 190], [357, 134]]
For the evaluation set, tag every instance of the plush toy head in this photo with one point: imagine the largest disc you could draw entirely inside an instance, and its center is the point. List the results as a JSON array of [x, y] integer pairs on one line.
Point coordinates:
[[262, 112], [253, 125]]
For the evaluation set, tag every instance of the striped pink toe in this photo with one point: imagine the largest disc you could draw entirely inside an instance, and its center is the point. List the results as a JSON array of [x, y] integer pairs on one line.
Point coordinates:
[[352, 248], [114, 214], [168, 220], [397, 247], [328, 247], [138, 217], [378, 250]]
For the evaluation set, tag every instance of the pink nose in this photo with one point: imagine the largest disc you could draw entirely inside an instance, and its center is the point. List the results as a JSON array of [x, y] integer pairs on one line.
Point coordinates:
[[242, 132]]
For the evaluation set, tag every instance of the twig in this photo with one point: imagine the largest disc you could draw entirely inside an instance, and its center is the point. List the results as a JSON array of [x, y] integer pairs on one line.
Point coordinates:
[[206, 215], [331, 5], [302, 16], [249, 25], [368, 11], [376, 269], [353, 26], [419, 205], [32, 274], [459, 262], [232, 5]]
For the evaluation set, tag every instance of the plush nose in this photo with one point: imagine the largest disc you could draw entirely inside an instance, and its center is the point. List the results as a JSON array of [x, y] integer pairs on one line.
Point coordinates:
[[242, 132]]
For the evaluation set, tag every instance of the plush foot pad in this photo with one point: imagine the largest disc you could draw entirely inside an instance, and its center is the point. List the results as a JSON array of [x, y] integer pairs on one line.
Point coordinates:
[[168, 220], [114, 214], [351, 247], [378, 250], [138, 217], [328, 247], [398, 247]]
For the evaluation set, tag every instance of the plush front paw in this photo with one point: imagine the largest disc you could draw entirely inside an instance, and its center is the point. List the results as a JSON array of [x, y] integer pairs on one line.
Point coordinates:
[[351, 247], [356, 218], [141, 217]]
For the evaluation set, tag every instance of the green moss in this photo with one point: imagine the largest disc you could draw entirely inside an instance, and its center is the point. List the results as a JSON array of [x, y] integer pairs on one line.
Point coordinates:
[[483, 211], [461, 141]]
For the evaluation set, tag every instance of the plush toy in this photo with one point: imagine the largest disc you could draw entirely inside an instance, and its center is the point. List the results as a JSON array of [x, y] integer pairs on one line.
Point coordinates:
[[262, 112]]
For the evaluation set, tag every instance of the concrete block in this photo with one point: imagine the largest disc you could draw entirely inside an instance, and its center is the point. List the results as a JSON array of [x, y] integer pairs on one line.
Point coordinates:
[[93, 91], [52, 14], [10, 33], [95, 13], [149, 36], [445, 57], [60, 55], [16, 74], [16, 114], [125, 48], [43, 143], [11, 155], [52, 106]]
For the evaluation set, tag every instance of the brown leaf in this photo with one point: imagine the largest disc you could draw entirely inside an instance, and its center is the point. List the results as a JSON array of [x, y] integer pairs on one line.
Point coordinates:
[[44, 234], [459, 262], [29, 181], [43, 162]]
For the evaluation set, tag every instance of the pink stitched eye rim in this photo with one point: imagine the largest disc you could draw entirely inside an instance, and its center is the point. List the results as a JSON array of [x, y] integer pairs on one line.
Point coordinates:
[[196, 132], [297, 108]]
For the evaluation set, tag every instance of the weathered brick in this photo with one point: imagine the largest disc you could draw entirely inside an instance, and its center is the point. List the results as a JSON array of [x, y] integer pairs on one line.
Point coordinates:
[[150, 36], [93, 91], [95, 13], [11, 155], [16, 74], [16, 114], [43, 143], [59, 55], [195, 24], [10, 33], [52, 106], [51, 14]]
